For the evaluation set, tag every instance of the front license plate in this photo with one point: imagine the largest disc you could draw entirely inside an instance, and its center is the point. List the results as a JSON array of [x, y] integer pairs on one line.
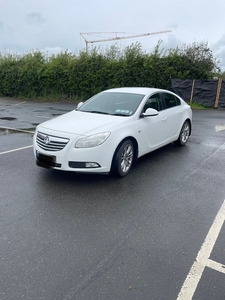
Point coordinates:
[[46, 158]]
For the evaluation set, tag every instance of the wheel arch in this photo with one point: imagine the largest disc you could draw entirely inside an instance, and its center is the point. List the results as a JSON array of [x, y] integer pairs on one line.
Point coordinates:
[[136, 148], [190, 123]]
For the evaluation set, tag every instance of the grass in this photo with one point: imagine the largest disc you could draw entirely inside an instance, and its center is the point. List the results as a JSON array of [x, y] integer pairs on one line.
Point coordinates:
[[195, 105]]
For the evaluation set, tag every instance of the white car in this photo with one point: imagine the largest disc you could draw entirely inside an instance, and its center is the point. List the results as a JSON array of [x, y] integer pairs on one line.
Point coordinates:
[[111, 130]]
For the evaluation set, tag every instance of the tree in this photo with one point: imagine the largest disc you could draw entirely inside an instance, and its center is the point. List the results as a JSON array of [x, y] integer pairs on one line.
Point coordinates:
[[198, 58]]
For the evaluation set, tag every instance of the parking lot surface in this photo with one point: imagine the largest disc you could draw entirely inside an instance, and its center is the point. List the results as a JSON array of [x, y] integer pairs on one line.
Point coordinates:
[[157, 233]]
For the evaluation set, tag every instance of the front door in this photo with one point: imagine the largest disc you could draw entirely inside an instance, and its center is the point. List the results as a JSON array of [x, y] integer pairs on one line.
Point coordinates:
[[153, 128]]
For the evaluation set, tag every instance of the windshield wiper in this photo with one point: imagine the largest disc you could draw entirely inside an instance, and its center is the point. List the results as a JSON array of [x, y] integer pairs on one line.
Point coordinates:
[[119, 114], [98, 112]]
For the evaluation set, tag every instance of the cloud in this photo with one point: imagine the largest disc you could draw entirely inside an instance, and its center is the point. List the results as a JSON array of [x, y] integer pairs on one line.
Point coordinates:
[[34, 18], [1, 26], [220, 44], [218, 49], [41, 28], [53, 50], [172, 25]]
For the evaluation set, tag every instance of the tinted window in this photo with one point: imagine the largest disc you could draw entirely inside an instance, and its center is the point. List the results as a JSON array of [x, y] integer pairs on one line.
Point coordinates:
[[171, 100], [154, 102]]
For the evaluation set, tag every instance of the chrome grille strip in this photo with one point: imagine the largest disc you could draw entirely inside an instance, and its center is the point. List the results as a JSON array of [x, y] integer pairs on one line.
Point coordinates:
[[50, 143]]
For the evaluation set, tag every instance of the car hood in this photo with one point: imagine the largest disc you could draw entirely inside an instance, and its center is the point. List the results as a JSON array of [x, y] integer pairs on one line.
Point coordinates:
[[83, 123]]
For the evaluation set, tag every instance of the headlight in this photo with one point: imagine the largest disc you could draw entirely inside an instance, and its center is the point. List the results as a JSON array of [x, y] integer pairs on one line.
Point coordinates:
[[92, 140]]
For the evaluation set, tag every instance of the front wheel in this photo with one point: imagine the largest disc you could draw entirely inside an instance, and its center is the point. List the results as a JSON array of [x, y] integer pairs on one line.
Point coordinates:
[[123, 159], [184, 134]]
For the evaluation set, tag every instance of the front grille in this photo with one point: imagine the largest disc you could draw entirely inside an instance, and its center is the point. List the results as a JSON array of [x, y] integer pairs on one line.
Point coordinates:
[[50, 142]]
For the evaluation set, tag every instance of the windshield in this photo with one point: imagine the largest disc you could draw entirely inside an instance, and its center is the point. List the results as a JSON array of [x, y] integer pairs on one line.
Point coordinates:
[[112, 103]]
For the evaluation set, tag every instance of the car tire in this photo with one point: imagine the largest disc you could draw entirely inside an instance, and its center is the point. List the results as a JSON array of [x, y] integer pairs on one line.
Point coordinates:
[[123, 159], [184, 134]]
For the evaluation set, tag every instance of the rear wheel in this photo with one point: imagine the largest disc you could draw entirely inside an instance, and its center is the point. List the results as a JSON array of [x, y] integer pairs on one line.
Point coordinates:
[[123, 159], [184, 134]]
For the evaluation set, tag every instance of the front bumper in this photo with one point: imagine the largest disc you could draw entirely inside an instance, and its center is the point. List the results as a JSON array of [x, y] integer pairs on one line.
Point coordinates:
[[83, 160]]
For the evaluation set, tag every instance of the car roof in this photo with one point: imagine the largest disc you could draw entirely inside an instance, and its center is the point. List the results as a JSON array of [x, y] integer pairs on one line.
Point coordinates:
[[135, 90]]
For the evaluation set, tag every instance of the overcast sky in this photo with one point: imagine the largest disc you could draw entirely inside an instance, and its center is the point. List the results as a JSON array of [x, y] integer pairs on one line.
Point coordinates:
[[55, 25]]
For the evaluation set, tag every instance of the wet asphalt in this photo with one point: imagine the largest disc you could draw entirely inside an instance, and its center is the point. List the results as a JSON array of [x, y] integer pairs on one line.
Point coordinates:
[[69, 236]]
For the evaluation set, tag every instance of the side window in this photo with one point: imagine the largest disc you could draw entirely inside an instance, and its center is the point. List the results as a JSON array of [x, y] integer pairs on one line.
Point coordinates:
[[171, 100], [177, 100], [154, 102]]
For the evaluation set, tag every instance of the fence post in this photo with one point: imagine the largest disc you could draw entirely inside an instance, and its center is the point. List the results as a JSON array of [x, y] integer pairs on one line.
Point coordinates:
[[218, 93], [192, 90]]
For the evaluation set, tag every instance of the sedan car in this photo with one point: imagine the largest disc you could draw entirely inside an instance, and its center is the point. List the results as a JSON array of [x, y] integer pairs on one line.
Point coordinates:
[[111, 130]]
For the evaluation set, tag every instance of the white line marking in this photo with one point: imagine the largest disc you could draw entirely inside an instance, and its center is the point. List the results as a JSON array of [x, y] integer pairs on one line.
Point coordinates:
[[19, 130], [21, 103], [14, 150], [190, 284], [220, 127], [215, 266], [43, 117]]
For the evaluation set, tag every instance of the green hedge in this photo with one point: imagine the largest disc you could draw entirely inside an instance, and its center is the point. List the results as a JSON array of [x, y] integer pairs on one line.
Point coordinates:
[[79, 76]]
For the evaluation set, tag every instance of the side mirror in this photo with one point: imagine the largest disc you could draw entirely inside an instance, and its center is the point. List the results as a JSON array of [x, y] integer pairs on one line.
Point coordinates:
[[79, 104], [150, 112]]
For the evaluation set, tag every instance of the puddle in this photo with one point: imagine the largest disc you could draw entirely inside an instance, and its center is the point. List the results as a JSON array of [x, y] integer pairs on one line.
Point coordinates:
[[8, 118]]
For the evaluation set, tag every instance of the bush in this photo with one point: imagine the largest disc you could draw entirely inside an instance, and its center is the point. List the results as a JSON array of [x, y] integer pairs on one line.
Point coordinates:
[[79, 76]]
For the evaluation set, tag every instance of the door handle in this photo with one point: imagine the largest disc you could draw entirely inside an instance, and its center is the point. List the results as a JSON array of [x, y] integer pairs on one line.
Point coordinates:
[[164, 119]]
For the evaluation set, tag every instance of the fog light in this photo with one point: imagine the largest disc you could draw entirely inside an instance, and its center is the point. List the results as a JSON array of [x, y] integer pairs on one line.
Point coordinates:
[[91, 165], [83, 165]]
